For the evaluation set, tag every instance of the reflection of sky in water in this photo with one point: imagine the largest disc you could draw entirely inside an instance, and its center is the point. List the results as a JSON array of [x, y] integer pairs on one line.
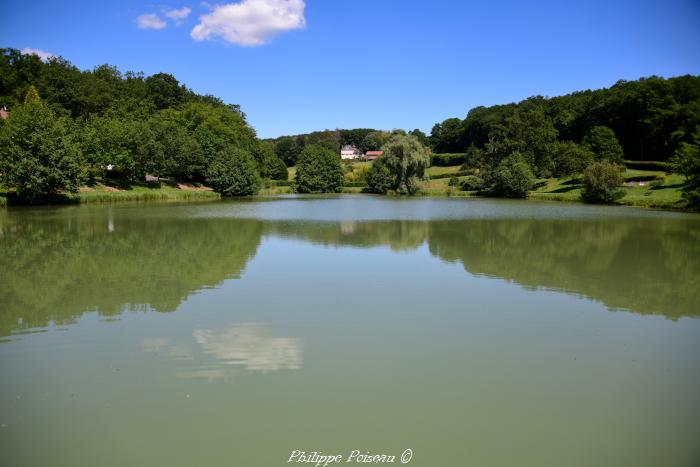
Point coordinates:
[[248, 344]]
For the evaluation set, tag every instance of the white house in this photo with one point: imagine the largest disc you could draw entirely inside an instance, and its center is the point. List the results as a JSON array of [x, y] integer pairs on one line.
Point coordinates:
[[350, 152]]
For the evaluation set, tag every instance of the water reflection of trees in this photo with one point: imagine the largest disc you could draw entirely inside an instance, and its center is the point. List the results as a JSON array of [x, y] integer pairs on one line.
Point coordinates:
[[643, 265], [646, 265], [56, 268], [398, 235]]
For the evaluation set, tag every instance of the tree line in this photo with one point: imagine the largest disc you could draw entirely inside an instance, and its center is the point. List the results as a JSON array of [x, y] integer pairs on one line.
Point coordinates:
[[289, 148], [587, 133], [67, 127], [651, 118]]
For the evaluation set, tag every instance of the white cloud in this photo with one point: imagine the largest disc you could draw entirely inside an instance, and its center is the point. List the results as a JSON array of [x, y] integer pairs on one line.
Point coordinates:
[[45, 56], [178, 15], [150, 21], [250, 22]]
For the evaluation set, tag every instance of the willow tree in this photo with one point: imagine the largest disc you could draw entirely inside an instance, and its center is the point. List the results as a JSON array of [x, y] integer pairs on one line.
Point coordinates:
[[401, 168]]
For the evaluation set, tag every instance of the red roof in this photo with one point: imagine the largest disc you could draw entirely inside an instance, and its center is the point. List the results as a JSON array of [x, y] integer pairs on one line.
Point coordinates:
[[374, 153]]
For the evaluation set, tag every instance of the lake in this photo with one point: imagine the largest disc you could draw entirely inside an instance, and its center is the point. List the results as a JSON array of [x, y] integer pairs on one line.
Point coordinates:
[[473, 332]]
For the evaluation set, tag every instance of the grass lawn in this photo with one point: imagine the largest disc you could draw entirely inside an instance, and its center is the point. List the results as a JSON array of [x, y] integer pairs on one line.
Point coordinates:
[[120, 191], [162, 191], [667, 195], [437, 170]]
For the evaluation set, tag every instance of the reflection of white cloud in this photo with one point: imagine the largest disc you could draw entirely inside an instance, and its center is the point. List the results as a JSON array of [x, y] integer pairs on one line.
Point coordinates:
[[155, 344], [162, 345], [248, 345], [180, 352], [210, 374]]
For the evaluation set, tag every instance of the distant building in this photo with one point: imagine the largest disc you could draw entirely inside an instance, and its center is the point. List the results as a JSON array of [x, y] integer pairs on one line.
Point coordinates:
[[4, 113], [372, 155], [350, 152]]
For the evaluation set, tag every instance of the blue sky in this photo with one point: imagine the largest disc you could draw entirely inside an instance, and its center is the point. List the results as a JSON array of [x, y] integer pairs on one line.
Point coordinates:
[[298, 66]]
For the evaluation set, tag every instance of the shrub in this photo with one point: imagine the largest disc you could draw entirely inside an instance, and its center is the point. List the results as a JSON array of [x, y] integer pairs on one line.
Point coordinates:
[[234, 173], [601, 182], [454, 181], [648, 165], [513, 177], [357, 175], [473, 183], [686, 161], [691, 193], [379, 178], [319, 171], [656, 183]]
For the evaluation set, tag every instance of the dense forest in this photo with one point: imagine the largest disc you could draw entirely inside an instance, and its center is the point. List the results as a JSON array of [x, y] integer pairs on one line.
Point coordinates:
[[103, 122], [651, 117]]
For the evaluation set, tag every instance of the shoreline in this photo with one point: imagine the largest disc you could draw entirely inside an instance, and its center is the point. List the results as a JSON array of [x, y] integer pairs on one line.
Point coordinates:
[[136, 193], [198, 196]]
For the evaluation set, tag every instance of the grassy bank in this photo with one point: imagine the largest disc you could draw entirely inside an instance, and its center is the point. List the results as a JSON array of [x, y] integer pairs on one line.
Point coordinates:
[[115, 192], [652, 189]]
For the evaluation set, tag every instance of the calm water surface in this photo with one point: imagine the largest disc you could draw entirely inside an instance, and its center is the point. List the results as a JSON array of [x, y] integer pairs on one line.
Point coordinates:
[[474, 332]]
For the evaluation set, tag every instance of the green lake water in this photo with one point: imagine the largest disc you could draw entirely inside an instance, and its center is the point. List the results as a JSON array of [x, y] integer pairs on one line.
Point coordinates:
[[473, 332]]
